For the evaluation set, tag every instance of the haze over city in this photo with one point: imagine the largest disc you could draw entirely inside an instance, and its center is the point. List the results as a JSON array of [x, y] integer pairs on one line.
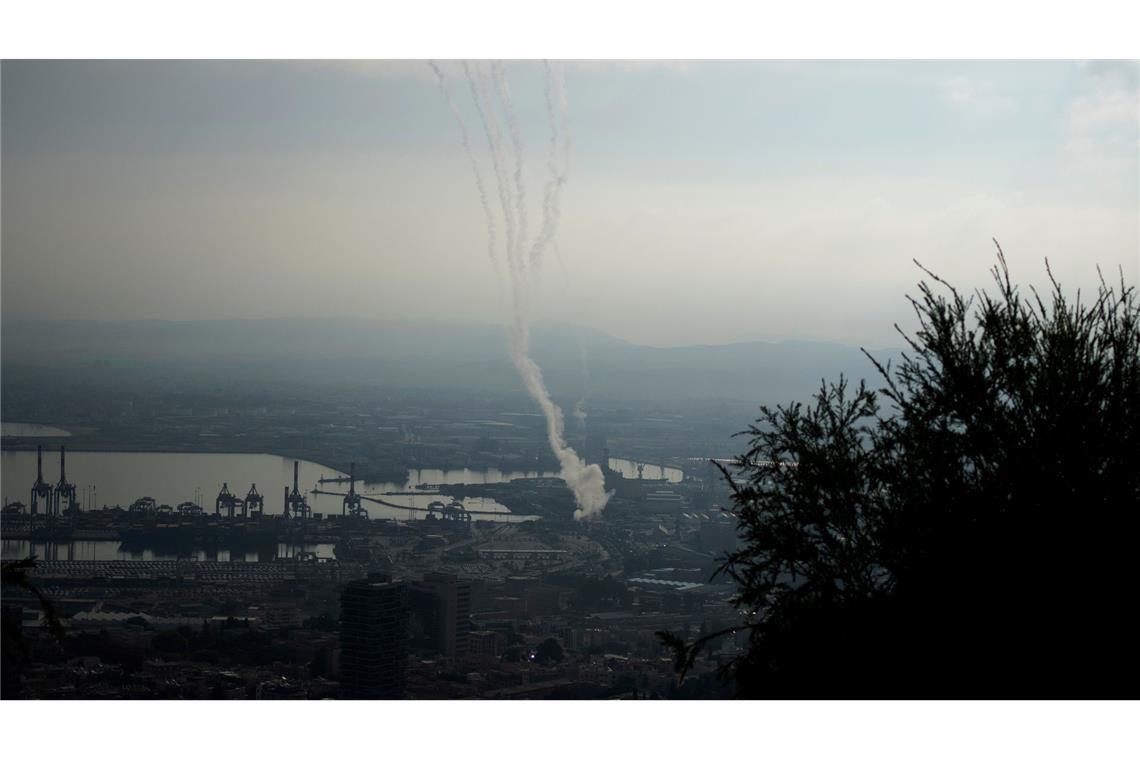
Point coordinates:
[[705, 202], [774, 366], [552, 379]]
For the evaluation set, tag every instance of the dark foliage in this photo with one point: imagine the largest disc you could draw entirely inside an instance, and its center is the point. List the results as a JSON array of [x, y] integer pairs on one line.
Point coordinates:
[[549, 652], [14, 575], [170, 642], [14, 650], [967, 530]]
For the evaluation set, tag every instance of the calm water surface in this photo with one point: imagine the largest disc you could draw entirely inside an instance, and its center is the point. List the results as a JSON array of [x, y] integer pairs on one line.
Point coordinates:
[[103, 551], [119, 478], [109, 478]]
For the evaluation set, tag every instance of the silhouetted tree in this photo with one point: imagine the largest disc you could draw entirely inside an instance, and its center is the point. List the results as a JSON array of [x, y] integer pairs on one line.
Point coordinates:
[[969, 528], [15, 653], [170, 642], [548, 652]]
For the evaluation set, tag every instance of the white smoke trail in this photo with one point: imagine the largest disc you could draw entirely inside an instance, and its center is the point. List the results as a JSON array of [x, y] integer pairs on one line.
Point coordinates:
[[491, 129], [586, 482], [504, 91], [561, 264], [554, 93], [579, 412], [479, 186]]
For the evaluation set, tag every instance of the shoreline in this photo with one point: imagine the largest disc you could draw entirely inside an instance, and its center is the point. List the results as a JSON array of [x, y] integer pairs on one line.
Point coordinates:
[[83, 449]]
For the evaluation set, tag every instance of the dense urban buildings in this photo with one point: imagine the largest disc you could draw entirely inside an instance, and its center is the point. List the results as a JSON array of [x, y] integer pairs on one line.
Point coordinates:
[[489, 590]]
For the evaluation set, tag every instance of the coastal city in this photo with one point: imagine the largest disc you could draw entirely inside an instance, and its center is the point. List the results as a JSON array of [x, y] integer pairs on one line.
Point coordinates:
[[761, 400], [345, 588]]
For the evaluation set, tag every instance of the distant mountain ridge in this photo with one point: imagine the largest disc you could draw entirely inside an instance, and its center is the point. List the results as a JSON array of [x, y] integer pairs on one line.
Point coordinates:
[[575, 360]]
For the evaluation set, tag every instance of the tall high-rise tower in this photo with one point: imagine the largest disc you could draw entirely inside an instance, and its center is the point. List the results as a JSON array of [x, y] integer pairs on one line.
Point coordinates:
[[374, 634], [441, 603]]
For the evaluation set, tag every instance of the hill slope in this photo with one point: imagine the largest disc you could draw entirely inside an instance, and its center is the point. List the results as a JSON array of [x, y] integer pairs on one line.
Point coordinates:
[[393, 353]]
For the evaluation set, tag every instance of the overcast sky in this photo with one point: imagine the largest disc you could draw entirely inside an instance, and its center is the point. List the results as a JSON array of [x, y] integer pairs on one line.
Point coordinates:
[[705, 203]]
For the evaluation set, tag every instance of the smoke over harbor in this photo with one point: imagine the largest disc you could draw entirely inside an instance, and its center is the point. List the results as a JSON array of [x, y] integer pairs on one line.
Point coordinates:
[[524, 255]]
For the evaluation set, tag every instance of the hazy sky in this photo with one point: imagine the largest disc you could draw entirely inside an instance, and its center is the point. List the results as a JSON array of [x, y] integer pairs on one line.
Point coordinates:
[[706, 202]]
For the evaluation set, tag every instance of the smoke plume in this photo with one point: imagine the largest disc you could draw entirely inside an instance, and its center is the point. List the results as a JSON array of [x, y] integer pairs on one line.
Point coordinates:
[[491, 129], [579, 412], [586, 482], [556, 112], [479, 186], [516, 142]]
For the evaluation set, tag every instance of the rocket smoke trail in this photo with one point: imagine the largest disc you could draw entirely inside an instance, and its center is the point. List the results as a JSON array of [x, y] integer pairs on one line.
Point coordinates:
[[553, 190], [491, 234], [586, 482], [491, 129], [579, 412], [516, 141]]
